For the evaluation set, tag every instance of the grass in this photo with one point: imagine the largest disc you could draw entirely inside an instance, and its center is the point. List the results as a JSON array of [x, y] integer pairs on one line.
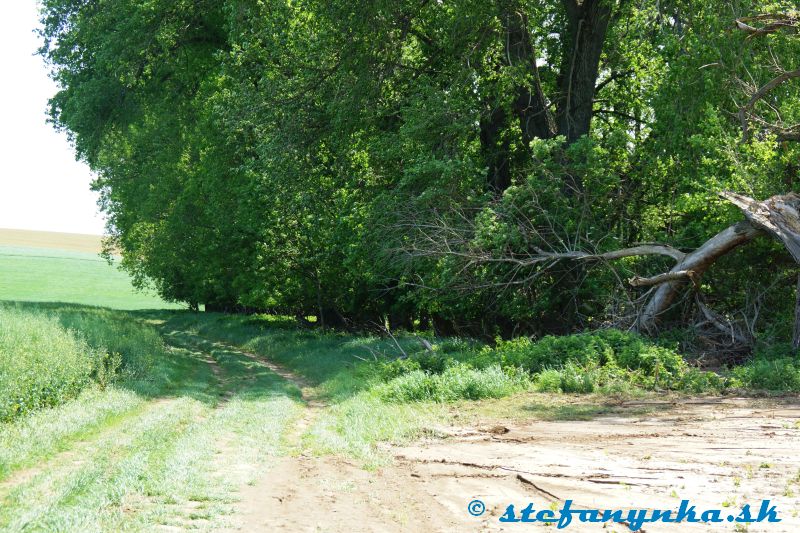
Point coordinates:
[[170, 422], [41, 363], [375, 396], [357, 415], [174, 442], [50, 275], [50, 353]]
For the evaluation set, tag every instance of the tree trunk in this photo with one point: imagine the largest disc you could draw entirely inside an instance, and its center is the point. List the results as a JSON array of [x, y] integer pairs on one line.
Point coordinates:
[[331, 318], [222, 305], [583, 40], [496, 150], [530, 104], [692, 267], [778, 216]]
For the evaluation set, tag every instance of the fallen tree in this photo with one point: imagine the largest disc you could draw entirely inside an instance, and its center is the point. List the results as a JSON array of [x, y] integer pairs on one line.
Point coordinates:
[[778, 217]]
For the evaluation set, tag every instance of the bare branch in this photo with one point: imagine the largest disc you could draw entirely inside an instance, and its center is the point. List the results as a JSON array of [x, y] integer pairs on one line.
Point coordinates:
[[761, 93], [772, 22], [637, 281]]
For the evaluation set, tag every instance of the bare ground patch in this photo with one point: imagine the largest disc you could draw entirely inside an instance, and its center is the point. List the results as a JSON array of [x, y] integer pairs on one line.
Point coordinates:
[[720, 454], [717, 453]]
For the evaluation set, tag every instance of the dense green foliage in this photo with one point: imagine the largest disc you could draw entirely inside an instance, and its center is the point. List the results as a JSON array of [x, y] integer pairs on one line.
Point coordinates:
[[49, 357], [286, 155], [606, 361], [42, 364]]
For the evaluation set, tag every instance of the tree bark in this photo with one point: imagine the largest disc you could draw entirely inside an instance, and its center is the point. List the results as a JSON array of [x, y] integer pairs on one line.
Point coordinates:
[[778, 216], [696, 262], [496, 150], [587, 24], [530, 104]]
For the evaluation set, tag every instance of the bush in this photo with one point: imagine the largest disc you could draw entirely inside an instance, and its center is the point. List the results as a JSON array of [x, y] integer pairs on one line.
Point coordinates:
[[698, 381], [570, 379], [780, 375], [48, 357], [578, 360], [606, 361], [397, 367], [41, 363], [457, 382], [554, 352], [548, 381]]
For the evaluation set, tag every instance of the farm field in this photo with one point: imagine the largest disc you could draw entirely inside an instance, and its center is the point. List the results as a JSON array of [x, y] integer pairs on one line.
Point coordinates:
[[249, 423], [51, 240], [59, 267]]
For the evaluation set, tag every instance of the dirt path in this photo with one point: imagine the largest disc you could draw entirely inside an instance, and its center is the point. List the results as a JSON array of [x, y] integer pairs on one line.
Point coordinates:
[[718, 453], [226, 451], [302, 492]]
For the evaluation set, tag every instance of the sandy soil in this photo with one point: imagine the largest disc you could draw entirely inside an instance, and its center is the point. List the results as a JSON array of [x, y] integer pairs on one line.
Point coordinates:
[[718, 453]]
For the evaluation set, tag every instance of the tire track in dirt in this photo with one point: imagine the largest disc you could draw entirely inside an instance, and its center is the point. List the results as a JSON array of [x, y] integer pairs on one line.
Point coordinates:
[[313, 405], [697, 449], [116, 434], [79, 447], [302, 492]]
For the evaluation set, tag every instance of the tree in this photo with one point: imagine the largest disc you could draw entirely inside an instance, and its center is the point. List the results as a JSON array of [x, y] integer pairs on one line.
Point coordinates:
[[275, 155]]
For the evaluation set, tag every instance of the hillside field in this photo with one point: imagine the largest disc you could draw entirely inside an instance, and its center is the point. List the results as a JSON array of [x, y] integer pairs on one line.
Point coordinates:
[[63, 267], [51, 240]]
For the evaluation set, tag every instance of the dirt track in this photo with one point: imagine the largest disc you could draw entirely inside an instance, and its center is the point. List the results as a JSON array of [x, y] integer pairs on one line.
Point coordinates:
[[717, 453]]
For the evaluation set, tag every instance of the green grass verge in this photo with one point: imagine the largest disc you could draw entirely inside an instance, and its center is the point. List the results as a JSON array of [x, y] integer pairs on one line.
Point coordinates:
[[375, 396], [172, 443]]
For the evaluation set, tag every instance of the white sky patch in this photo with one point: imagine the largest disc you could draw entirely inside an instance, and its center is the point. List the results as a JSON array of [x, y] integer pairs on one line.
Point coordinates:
[[42, 187]]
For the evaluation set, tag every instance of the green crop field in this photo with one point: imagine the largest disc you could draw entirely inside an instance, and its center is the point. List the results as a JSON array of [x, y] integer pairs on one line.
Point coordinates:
[[36, 274]]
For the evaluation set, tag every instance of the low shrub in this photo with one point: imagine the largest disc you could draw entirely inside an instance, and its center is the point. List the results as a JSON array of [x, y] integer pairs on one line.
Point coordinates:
[[457, 382], [553, 352], [389, 370], [41, 363], [604, 361], [779, 375]]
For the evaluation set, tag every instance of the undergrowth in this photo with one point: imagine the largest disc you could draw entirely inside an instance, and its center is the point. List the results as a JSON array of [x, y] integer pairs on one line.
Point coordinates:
[[405, 370], [49, 355]]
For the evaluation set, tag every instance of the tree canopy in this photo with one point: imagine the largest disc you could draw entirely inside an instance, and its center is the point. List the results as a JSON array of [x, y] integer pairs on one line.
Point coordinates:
[[397, 160]]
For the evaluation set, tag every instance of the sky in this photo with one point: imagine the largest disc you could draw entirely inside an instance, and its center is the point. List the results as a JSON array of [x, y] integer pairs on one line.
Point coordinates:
[[42, 187]]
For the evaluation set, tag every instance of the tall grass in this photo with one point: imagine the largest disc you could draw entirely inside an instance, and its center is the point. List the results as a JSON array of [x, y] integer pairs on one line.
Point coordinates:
[[49, 354], [41, 363]]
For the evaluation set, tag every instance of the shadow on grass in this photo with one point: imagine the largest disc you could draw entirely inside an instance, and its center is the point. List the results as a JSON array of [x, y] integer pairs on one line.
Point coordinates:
[[188, 366], [329, 361]]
